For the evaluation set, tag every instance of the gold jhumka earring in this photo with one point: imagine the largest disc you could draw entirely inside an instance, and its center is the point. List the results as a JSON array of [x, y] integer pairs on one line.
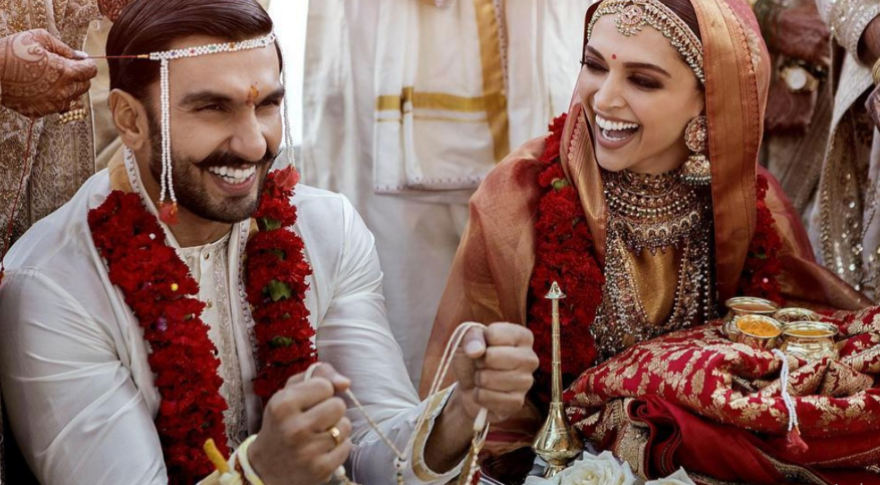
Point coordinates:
[[697, 169]]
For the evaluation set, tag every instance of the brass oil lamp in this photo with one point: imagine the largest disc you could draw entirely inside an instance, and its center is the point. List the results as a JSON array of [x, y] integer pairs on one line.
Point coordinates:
[[558, 442]]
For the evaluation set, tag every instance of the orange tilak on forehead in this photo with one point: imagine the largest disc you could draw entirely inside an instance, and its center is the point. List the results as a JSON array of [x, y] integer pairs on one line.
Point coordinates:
[[253, 94]]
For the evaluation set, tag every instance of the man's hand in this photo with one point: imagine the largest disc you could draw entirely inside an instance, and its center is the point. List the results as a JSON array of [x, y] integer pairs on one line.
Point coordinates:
[[295, 446], [40, 75], [494, 369]]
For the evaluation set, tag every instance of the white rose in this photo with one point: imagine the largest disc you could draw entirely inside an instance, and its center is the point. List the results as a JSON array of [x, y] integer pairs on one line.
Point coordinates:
[[678, 478], [597, 470]]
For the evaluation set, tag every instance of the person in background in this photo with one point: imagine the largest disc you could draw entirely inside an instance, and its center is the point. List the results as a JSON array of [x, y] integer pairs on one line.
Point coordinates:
[[42, 74], [409, 103], [801, 96], [844, 226]]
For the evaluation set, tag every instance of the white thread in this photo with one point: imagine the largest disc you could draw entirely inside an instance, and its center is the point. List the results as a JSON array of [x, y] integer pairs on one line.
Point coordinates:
[[786, 397], [481, 423]]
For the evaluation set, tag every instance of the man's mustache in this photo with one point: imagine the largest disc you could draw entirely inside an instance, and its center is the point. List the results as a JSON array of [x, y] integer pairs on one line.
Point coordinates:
[[226, 159]]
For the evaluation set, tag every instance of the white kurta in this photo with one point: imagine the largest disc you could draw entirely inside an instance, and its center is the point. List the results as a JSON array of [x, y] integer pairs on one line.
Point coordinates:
[[73, 363], [356, 51]]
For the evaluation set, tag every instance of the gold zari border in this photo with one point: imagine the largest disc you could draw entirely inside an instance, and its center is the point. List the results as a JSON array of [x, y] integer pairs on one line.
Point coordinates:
[[493, 101]]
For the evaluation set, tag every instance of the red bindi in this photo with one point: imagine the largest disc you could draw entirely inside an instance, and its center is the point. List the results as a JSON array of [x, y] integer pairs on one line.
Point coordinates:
[[614, 56]]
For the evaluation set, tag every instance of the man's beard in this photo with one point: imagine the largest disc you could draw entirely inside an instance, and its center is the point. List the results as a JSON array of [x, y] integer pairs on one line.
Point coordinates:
[[190, 191]]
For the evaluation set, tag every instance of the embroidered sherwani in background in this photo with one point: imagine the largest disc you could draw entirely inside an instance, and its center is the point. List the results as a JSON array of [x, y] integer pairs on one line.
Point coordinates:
[[62, 155], [844, 226], [72, 358], [407, 105]]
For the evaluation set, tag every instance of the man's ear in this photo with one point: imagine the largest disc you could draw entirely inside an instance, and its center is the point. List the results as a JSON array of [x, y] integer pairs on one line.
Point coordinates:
[[130, 117]]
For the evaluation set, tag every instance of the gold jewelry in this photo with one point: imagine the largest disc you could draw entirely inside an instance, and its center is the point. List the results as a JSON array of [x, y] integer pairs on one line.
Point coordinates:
[[697, 169], [655, 212], [72, 116], [336, 435], [651, 211], [634, 15], [875, 72]]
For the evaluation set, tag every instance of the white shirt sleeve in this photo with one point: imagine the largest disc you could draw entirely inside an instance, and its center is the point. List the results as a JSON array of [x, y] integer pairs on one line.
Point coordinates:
[[74, 409], [354, 336]]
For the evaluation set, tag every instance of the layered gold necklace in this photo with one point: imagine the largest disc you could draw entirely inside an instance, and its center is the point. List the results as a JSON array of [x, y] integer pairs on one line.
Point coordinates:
[[657, 213]]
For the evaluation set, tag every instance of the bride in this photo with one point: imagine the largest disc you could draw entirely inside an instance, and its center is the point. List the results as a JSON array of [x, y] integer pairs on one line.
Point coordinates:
[[645, 203]]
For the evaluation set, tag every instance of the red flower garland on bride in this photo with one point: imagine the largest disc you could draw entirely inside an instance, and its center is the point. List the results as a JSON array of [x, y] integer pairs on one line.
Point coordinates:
[[565, 253], [163, 296]]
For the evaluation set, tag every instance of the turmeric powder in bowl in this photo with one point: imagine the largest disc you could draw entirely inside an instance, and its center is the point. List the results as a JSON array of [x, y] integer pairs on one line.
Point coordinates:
[[757, 326]]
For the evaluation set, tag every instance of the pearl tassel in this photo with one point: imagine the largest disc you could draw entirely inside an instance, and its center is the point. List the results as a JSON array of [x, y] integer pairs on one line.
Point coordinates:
[[794, 442]]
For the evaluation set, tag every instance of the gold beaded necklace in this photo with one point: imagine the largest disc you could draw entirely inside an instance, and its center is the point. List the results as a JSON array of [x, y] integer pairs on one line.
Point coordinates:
[[653, 212]]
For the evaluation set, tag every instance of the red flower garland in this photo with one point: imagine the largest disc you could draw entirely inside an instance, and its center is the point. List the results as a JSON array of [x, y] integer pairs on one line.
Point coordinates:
[[276, 289], [163, 296], [565, 253], [763, 263]]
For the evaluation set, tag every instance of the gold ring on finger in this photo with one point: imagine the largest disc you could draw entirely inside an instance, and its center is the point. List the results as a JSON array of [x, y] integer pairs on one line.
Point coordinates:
[[336, 435]]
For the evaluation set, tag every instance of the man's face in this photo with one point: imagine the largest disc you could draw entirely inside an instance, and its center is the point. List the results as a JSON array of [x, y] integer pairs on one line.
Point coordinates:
[[226, 129]]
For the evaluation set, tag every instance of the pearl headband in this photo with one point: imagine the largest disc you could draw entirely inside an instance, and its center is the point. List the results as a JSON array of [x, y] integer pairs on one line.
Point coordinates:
[[168, 214]]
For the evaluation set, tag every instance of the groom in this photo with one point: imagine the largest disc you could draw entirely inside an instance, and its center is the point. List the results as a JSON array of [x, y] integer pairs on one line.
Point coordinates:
[[174, 297]]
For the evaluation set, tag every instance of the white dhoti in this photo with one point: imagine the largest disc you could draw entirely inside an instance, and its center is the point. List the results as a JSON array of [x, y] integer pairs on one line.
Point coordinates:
[[409, 103]]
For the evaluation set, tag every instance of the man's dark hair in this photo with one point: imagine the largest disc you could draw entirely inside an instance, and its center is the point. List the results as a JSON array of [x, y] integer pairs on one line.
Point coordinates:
[[146, 26]]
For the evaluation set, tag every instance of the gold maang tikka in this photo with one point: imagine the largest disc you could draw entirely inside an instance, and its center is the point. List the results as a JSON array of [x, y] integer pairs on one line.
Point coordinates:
[[634, 15]]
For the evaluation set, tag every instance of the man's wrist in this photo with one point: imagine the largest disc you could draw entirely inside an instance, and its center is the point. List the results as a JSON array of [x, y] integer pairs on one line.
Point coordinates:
[[448, 442], [455, 414], [250, 458]]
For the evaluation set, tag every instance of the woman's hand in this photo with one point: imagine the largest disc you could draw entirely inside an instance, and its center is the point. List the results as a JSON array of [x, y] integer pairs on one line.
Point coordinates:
[[40, 75]]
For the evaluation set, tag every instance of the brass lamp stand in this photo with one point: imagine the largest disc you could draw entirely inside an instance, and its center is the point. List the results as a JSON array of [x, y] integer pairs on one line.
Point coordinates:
[[558, 442]]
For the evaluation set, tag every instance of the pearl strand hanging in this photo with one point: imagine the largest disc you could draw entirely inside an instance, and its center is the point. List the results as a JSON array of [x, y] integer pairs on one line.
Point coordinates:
[[786, 397], [165, 99], [288, 136]]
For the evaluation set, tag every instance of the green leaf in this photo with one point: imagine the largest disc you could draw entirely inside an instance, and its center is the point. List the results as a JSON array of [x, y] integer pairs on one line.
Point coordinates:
[[267, 224], [281, 254], [279, 291], [560, 184], [282, 342]]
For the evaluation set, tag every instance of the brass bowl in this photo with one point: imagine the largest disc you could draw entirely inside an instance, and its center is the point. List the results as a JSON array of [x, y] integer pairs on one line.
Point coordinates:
[[746, 305], [791, 315], [810, 340], [763, 342]]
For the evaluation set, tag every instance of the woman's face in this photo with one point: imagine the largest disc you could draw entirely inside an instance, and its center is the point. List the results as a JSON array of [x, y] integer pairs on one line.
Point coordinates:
[[639, 95]]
